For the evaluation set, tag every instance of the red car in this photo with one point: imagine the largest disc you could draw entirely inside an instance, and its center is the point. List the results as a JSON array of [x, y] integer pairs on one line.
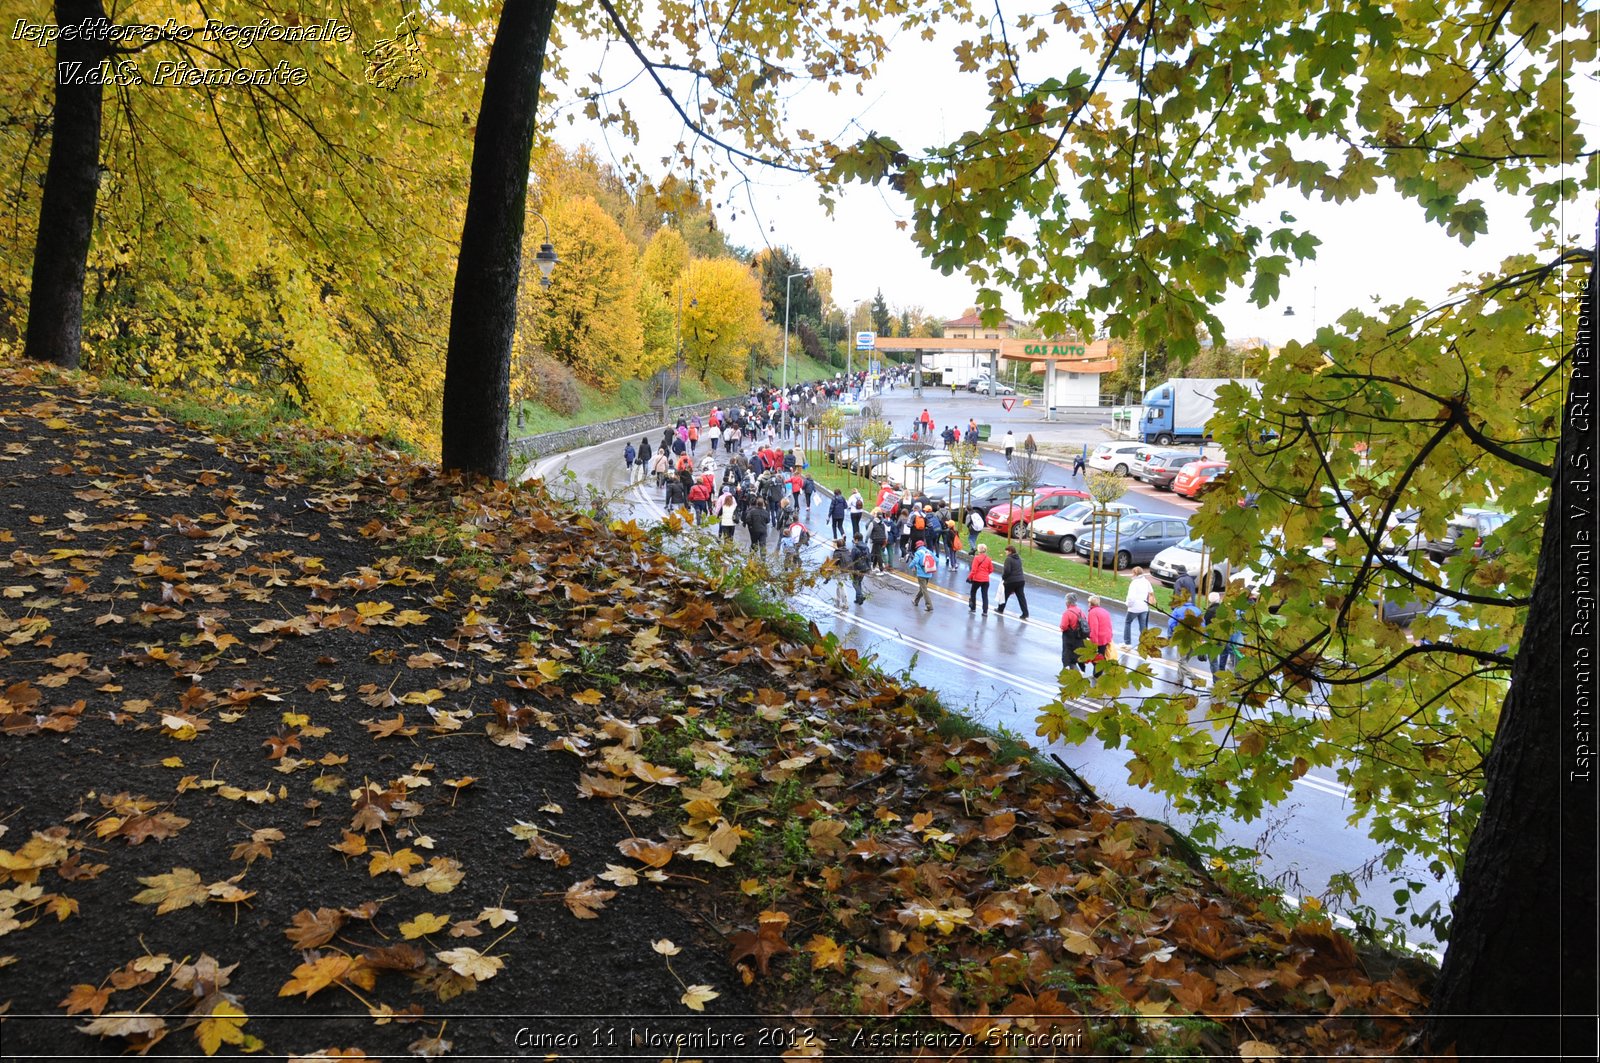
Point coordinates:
[[1013, 521], [1196, 478]]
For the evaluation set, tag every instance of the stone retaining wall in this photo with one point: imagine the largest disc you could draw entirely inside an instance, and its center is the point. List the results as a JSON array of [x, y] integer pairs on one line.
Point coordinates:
[[532, 448]]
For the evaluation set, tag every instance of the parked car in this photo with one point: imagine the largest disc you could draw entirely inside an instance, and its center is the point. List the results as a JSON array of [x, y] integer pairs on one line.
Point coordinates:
[[1211, 573], [1013, 521], [990, 493], [1062, 531], [943, 479], [1190, 554], [870, 465], [1164, 466], [1467, 530], [1196, 478], [983, 384], [1115, 457], [895, 470], [1138, 540]]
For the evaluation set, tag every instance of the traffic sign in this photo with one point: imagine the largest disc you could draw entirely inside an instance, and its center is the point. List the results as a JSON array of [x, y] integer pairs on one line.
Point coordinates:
[[1008, 402], [866, 341]]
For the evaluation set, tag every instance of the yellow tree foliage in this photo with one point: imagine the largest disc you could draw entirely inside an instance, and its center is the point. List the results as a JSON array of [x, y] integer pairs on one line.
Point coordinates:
[[265, 244], [588, 318], [665, 261], [724, 320]]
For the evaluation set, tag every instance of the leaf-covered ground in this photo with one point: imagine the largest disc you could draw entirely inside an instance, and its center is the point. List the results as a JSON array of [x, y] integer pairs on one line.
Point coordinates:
[[309, 751]]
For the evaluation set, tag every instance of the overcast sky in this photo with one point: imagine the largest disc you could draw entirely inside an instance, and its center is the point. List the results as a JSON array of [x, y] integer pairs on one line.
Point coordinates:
[[1378, 247]]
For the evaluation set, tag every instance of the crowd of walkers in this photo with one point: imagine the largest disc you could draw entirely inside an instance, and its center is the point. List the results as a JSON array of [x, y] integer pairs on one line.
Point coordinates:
[[731, 471]]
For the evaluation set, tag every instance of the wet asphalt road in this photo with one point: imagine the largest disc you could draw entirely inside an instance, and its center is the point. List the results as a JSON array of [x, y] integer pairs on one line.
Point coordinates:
[[1000, 668]]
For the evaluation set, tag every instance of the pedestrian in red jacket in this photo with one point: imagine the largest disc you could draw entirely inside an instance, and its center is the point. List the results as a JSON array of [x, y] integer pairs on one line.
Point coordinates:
[[1099, 630], [1074, 630], [978, 576]]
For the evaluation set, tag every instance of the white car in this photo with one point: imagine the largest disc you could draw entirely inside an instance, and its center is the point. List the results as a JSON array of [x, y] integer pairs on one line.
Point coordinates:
[[941, 478], [983, 385], [1061, 531], [1116, 457], [895, 471], [1188, 553]]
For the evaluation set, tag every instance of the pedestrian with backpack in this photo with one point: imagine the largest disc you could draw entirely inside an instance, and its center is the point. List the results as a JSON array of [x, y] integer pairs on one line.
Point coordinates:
[[860, 565], [1011, 582], [629, 456], [978, 575], [897, 536], [924, 563], [1180, 613], [878, 537], [756, 522], [808, 487], [1074, 633]]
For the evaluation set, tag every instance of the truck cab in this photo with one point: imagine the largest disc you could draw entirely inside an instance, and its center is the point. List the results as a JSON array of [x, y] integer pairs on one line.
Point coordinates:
[[1160, 427], [1177, 410]]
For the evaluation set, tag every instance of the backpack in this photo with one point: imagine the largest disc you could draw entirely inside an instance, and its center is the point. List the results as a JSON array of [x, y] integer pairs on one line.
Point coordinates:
[[930, 562], [860, 560], [920, 522]]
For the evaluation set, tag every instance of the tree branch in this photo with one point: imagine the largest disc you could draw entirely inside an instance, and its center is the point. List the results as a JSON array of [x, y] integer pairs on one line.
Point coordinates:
[[651, 68]]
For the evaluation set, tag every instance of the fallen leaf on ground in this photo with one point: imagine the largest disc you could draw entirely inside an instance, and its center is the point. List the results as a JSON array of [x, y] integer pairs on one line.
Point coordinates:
[[585, 901]]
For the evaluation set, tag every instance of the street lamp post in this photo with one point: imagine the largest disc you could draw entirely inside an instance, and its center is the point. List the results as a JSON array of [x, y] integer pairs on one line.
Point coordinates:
[[677, 328], [784, 398], [546, 260]]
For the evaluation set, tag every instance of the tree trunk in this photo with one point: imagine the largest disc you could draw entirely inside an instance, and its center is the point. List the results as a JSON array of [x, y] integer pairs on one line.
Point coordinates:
[[1519, 974], [483, 309], [66, 207]]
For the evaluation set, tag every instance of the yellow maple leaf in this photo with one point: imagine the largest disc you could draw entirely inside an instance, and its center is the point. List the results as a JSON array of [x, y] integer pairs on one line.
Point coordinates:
[[825, 952], [470, 963], [618, 875], [588, 697], [399, 862], [223, 1026], [441, 875], [584, 900], [179, 888], [322, 971], [695, 997], [426, 923]]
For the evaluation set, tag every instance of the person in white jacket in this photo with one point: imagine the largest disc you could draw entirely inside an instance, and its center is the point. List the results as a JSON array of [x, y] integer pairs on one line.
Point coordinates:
[[1141, 594]]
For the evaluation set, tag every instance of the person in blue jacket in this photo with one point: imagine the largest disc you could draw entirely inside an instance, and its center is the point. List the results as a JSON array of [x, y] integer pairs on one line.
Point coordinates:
[[1181, 612]]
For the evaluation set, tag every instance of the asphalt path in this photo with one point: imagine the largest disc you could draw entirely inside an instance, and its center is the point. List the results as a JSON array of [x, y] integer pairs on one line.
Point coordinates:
[[999, 669]]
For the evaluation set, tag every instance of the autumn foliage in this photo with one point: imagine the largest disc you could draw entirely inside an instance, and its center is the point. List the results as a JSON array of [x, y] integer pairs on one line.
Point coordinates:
[[370, 741]]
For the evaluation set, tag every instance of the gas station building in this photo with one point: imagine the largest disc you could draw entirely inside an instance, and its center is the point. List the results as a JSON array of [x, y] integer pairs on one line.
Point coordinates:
[[1071, 370]]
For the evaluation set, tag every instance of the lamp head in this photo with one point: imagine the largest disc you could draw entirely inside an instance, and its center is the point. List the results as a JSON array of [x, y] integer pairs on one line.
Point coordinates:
[[546, 261]]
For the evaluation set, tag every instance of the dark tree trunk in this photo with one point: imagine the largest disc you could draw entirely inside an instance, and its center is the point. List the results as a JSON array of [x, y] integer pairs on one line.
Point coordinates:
[[66, 207], [1519, 974], [483, 309]]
